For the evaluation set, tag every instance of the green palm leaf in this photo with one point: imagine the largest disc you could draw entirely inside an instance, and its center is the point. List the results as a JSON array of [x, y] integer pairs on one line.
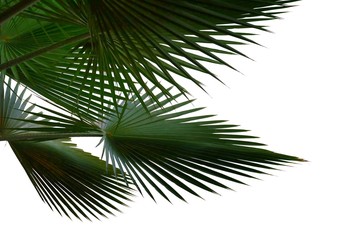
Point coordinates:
[[21, 120], [66, 178], [116, 70], [168, 147], [85, 55], [13, 109], [69, 180], [49, 73]]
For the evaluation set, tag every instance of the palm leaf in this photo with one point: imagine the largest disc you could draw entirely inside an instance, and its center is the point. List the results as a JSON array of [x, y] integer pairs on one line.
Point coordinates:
[[20, 120], [169, 148], [71, 181], [66, 178], [87, 56], [92, 52], [49, 73], [10, 8], [14, 108]]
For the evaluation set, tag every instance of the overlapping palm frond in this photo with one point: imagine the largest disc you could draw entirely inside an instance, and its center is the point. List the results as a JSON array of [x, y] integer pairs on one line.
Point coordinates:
[[31, 55], [14, 109], [71, 181], [90, 53], [68, 179], [116, 70], [169, 147], [21, 119]]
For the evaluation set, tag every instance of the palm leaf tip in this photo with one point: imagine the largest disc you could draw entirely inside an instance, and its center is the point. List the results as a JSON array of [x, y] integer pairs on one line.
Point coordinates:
[[170, 151], [71, 181]]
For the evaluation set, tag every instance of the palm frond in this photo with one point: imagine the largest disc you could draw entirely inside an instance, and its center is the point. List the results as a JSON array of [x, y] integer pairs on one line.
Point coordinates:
[[14, 109], [32, 54], [168, 148], [71, 181], [10, 8], [66, 178], [20, 119], [115, 69], [130, 45]]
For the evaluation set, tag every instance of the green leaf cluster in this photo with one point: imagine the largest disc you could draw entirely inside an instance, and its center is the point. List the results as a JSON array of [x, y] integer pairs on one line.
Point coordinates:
[[116, 70]]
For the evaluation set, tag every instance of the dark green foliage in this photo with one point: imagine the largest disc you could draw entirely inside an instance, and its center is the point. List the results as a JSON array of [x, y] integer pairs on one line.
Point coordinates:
[[70, 180], [116, 70], [171, 146]]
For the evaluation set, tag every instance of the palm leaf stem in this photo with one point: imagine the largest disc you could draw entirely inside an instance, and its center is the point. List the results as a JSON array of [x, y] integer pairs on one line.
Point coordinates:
[[47, 136], [43, 50], [16, 9]]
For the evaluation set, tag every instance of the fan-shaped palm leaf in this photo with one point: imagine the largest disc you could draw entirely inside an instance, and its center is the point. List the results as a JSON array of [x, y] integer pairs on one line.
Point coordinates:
[[87, 56], [70, 180], [20, 121], [85, 53], [66, 178], [48, 73], [168, 147], [14, 109]]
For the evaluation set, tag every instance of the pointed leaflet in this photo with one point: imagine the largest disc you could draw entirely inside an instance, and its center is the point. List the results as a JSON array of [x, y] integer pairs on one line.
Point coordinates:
[[69, 180], [170, 148]]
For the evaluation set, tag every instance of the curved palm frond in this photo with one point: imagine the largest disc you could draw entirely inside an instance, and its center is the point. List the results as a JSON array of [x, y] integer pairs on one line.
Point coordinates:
[[14, 109], [66, 178], [20, 120], [96, 51], [69, 180], [31, 54], [109, 66], [168, 147]]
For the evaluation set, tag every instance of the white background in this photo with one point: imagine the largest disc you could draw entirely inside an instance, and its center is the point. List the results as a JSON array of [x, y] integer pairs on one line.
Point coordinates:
[[301, 95]]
